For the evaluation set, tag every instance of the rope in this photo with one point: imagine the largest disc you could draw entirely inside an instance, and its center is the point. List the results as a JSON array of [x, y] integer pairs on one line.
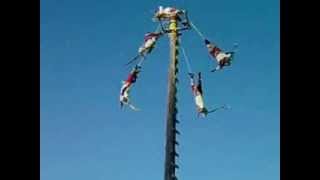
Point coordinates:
[[133, 107], [221, 107], [186, 58], [132, 60], [158, 28], [141, 61], [197, 30]]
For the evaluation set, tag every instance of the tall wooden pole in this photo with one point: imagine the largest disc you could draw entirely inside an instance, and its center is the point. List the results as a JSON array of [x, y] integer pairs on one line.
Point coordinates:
[[171, 131]]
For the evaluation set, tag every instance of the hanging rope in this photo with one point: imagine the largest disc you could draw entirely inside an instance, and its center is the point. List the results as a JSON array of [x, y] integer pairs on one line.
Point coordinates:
[[187, 60], [135, 58], [141, 61], [235, 45], [218, 108], [158, 28], [133, 107], [197, 30]]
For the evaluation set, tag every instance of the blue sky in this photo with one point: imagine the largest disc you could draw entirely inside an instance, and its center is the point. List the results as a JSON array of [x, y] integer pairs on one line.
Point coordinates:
[[85, 135]]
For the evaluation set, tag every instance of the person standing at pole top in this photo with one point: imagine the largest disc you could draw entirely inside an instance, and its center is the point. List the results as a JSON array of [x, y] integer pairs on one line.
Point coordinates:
[[167, 12]]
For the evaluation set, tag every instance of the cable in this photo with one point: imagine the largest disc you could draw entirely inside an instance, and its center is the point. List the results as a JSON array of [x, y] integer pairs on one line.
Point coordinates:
[[221, 107], [187, 61], [142, 59], [186, 58], [197, 30]]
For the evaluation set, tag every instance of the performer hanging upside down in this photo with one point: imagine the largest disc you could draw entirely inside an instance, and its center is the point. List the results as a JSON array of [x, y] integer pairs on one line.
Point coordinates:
[[197, 92], [147, 46], [125, 89], [223, 58], [149, 43], [198, 96]]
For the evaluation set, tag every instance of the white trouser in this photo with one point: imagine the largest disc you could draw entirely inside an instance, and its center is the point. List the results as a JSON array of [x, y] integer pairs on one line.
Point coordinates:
[[199, 101], [125, 96], [222, 56], [147, 45]]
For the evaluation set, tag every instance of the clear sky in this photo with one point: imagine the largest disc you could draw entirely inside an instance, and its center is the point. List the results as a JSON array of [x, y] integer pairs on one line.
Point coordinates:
[[86, 136]]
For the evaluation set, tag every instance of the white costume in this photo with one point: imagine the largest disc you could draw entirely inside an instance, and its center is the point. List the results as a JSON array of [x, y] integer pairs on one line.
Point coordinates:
[[221, 56], [147, 45], [199, 101]]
